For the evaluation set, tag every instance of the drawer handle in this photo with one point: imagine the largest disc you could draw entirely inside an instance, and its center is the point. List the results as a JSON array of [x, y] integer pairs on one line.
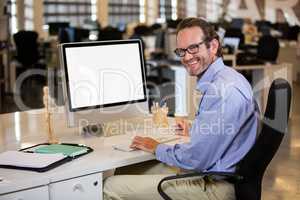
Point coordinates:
[[77, 187], [95, 183]]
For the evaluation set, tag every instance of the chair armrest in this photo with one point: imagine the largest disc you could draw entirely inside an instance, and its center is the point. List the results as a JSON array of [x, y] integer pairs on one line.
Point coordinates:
[[227, 175]]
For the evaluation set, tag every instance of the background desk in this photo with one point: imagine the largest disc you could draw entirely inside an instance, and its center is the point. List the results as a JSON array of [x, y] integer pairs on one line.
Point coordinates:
[[262, 77], [78, 179]]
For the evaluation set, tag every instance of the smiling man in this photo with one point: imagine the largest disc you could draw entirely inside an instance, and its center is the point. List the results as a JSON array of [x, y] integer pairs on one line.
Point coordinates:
[[222, 133]]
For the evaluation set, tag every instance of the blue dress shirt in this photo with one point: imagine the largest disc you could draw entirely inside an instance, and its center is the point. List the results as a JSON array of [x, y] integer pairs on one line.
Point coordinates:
[[224, 128]]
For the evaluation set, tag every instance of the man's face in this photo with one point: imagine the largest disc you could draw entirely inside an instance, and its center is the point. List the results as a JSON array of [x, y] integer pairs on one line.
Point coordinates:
[[198, 62]]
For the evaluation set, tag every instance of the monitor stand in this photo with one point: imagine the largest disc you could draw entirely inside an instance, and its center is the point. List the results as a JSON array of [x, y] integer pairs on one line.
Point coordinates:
[[92, 130]]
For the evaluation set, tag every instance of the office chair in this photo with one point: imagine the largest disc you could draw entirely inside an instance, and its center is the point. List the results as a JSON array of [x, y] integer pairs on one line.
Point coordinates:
[[267, 49], [283, 28], [293, 33], [27, 52], [28, 58], [263, 26], [27, 47], [109, 33], [249, 173], [63, 36]]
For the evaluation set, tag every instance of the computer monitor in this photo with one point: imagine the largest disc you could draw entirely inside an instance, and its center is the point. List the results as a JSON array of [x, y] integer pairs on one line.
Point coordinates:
[[232, 41], [103, 81], [55, 26]]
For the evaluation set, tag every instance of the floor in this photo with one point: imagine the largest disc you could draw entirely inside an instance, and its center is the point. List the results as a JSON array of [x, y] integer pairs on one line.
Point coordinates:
[[282, 178]]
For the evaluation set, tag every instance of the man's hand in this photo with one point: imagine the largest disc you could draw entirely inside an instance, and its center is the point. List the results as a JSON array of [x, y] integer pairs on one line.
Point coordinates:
[[144, 143], [183, 127]]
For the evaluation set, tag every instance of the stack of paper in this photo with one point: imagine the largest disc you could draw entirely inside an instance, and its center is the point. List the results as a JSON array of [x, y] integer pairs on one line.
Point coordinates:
[[32, 160]]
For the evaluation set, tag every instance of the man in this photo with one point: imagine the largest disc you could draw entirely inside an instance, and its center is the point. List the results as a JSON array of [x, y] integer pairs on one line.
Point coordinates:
[[222, 133]]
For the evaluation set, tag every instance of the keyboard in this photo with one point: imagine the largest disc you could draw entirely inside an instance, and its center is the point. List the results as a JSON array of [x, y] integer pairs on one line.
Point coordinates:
[[125, 145]]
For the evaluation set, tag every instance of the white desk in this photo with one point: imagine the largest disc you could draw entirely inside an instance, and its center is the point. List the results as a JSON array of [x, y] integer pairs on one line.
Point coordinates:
[[78, 179]]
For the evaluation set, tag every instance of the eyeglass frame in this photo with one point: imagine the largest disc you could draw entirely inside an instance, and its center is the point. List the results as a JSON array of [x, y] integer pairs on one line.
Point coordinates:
[[187, 49]]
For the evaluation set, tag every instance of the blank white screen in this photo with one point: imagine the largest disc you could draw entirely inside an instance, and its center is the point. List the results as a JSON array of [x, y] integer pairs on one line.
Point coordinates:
[[104, 74]]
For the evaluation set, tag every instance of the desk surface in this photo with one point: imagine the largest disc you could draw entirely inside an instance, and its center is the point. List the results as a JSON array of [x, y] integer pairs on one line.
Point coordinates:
[[23, 129], [263, 66]]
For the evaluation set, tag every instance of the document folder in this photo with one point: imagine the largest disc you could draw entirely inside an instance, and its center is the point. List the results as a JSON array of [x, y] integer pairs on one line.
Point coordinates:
[[42, 157]]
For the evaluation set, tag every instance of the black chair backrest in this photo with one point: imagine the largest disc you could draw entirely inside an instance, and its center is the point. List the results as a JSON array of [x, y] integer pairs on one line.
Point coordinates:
[[268, 48], [142, 30], [275, 122], [293, 33], [27, 47], [110, 33]]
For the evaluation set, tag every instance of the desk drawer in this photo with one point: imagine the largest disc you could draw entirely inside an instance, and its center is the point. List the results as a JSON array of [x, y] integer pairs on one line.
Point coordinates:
[[85, 187], [40, 193]]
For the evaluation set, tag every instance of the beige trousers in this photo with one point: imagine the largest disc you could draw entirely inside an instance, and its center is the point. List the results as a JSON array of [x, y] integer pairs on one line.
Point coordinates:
[[139, 182]]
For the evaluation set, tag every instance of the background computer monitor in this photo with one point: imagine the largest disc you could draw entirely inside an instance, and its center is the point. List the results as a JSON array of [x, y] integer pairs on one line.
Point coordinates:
[[232, 41], [55, 26], [103, 81]]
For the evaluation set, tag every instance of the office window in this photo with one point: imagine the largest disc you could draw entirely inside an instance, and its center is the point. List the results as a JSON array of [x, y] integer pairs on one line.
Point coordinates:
[[125, 11], [28, 14], [12, 14], [74, 11], [174, 14], [165, 10]]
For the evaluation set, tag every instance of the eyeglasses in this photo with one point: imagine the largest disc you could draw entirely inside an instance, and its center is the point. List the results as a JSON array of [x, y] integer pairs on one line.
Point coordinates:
[[192, 49]]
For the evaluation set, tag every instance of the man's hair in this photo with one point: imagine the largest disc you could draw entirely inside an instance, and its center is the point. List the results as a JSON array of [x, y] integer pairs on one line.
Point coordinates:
[[208, 31]]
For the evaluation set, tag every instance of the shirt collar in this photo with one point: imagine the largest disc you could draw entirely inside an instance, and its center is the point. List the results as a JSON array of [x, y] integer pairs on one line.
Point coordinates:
[[209, 74]]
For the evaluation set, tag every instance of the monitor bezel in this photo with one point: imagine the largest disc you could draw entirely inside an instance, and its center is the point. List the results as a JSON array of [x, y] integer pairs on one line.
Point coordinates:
[[102, 43]]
